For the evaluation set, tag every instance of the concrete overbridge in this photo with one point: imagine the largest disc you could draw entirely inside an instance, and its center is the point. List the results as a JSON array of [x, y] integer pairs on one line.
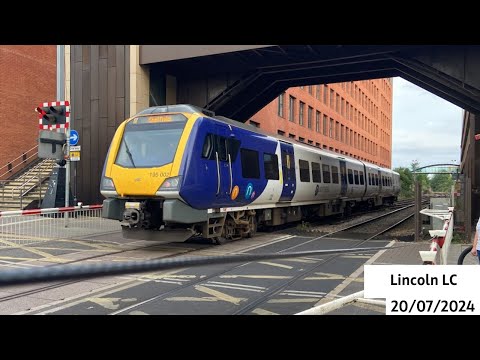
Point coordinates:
[[108, 83]]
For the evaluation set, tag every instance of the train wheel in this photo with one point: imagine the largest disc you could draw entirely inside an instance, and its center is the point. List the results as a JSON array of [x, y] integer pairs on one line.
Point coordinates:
[[219, 240], [252, 224]]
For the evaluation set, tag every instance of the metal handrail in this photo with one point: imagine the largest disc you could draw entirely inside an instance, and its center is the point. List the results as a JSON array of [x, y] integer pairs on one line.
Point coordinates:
[[35, 176], [23, 161]]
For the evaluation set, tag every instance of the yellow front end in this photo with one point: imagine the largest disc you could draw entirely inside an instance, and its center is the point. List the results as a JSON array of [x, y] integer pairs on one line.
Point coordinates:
[[130, 174]]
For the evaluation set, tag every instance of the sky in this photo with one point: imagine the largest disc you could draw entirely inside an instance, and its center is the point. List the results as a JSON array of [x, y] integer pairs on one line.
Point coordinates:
[[425, 127]]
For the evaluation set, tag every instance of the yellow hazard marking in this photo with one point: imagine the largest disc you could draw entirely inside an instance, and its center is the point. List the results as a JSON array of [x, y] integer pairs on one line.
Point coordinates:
[[45, 255], [109, 303], [138, 312], [191, 298], [293, 300], [16, 258], [219, 295], [326, 276], [255, 276], [259, 311], [275, 264]]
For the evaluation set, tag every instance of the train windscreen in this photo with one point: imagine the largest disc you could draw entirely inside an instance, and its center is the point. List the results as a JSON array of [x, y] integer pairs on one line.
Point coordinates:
[[150, 141]]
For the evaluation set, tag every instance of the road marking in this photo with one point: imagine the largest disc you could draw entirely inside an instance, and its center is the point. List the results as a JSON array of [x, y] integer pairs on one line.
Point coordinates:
[[259, 311], [233, 287], [219, 295], [334, 293], [275, 264], [138, 312], [192, 298], [285, 301], [325, 276], [109, 303], [304, 293], [43, 254], [234, 284], [255, 276]]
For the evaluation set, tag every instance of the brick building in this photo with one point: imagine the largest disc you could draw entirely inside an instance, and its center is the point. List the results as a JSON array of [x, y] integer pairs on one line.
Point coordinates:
[[353, 118], [28, 77]]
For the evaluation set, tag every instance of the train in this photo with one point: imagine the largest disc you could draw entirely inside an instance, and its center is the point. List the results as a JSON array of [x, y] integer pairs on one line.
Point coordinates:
[[178, 171]]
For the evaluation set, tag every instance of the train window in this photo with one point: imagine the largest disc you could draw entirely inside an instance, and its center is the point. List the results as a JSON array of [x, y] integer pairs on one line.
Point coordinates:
[[304, 171], [250, 166], [376, 179], [369, 179], [350, 176], [221, 148], [326, 174], [316, 174], [362, 181], [207, 146], [355, 172], [232, 147], [270, 164], [335, 174]]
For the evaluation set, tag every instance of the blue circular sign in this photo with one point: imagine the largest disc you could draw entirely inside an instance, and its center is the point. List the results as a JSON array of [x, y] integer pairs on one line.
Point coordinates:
[[74, 137]]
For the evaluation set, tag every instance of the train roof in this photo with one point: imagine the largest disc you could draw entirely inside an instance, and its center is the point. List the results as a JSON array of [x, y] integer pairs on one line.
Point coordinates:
[[187, 108]]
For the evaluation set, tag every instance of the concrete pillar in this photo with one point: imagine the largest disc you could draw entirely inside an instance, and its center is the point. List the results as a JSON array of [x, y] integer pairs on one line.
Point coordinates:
[[139, 82]]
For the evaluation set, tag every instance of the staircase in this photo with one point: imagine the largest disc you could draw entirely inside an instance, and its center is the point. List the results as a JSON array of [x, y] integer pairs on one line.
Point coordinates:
[[19, 192]]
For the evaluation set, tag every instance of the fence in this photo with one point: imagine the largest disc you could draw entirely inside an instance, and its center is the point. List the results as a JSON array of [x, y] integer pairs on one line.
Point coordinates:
[[441, 239], [24, 227]]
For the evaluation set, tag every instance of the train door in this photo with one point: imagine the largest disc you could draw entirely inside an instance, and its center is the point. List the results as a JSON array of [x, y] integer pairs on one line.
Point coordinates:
[[288, 172], [343, 178], [223, 158]]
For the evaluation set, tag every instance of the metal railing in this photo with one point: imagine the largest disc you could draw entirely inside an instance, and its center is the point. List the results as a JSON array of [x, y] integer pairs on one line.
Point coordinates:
[[25, 227], [14, 166], [441, 239]]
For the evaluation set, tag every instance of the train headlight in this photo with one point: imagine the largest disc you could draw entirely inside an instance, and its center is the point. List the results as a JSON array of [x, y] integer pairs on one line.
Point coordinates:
[[171, 184], [107, 184]]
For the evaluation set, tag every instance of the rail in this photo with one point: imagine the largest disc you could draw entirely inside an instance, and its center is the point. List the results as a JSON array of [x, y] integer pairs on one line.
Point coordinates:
[[20, 162]]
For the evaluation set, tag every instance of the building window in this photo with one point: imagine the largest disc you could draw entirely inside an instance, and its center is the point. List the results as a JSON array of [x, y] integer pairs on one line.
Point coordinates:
[[330, 133], [317, 121], [281, 133], [300, 113], [317, 92], [337, 104], [309, 117], [337, 130], [301, 139], [291, 136], [317, 144], [281, 99], [291, 110], [325, 125], [325, 94], [332, 99], [310, 90], [254, 123], [310, 142]]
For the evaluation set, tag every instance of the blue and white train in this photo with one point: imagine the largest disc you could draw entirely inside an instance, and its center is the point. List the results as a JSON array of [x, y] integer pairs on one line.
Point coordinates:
[[173, 172]]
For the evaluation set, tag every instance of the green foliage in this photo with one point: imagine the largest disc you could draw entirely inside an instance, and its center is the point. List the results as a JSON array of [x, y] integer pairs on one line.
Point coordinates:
[[441, 182], [406, 182], [421, 178]]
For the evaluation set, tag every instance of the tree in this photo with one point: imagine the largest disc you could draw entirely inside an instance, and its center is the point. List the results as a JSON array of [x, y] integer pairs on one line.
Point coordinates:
[[421, 178], [441, 182], [406, 182]]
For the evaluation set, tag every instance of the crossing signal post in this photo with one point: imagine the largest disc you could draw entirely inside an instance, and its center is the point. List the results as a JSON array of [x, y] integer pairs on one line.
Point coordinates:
[[55, 116]]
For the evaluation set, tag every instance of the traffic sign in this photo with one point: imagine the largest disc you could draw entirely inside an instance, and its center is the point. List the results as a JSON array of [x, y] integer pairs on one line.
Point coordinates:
[[74, 137], [75, 156]]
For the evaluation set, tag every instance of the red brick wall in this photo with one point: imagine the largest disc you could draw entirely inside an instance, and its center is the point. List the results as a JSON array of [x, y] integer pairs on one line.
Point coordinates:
[[27, 78], [370, 98]]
